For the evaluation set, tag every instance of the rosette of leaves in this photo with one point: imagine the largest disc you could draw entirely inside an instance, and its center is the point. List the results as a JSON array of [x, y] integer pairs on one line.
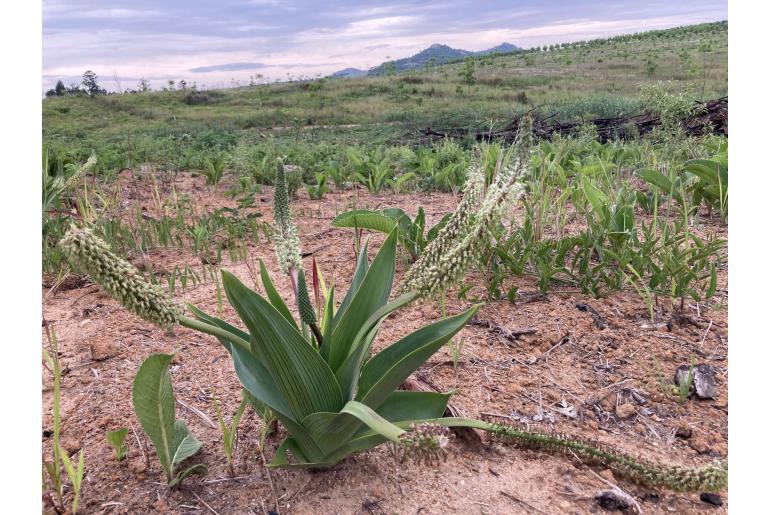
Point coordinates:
[[334, 400]]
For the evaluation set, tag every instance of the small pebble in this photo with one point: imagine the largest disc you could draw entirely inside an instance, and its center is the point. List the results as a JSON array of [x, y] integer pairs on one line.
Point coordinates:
[[711, 499]]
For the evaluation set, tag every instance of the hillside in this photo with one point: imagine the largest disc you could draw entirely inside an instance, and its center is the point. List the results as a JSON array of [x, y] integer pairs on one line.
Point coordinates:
[[347, 72], [436, 54], [589, 79]]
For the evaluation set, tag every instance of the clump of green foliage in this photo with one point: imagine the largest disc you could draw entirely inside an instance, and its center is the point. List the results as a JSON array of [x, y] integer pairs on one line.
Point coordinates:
[[411, 233], [117, 440], [155, 407], [230, 431]]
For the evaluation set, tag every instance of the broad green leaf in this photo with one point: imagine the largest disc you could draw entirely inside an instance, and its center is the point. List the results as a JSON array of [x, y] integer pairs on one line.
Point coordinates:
[[258, 381], [330, 430], [303, 438], [704, 169], [371, 295], [712, 288], [418, 229], [253, 374], [185, 443], [281, 458], [366, 219], [302, 376], [403, 405], [368, 439], [333, 430], [347, 373], [362, 267], [328, 314], [387, 370], [204, 317], [275, 298], [374, 421], [595, 196], [153, 400], [656, 178]]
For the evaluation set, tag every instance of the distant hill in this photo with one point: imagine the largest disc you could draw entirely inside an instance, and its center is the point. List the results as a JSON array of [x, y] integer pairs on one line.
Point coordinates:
[[503, 48], [348, 72], [441, 54]]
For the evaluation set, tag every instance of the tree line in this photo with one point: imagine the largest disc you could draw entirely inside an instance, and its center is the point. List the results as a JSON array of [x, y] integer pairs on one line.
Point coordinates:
[[89, 86]]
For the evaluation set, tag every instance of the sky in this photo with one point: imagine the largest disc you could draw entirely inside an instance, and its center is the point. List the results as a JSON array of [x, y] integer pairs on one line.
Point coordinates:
[[216, 44]]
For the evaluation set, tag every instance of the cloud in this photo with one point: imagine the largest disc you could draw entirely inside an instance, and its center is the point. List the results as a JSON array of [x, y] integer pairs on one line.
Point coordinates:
[[229, 39], [372, 27], [119, 13], [230, 67]]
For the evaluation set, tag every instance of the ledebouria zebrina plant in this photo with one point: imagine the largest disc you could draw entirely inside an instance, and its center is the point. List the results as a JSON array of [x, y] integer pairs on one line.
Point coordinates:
[[339, 398]]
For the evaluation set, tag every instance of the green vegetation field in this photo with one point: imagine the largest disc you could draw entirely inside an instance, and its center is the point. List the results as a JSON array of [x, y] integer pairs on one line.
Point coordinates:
[[596, 79]]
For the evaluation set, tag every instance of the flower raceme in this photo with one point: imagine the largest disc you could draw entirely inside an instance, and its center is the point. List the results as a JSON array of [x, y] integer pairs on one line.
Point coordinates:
[[287, 246], [119, 278]]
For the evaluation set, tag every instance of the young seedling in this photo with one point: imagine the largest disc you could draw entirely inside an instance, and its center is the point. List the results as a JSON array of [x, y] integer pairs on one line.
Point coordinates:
[[684, 388], [75, 476], [117, 440], [155, 407], [230, 432], [60, 456], [456, 351]]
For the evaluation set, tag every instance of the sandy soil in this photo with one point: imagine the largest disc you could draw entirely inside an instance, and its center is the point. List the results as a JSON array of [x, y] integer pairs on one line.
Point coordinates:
[[567, 363]]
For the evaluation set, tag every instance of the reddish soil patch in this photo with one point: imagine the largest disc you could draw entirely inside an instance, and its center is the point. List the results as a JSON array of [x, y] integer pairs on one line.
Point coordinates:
[[567, 362]]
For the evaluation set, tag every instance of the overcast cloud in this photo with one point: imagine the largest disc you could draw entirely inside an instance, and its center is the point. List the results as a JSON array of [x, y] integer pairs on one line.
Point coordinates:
[[216, 43]]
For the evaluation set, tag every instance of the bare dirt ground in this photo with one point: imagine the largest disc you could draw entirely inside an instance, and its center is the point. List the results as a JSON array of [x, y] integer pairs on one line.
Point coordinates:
[[615, 380]]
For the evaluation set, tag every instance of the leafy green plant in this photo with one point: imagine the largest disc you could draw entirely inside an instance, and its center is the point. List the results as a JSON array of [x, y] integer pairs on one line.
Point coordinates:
[[397, 184], [411, 234], [684, 388], [75, 476], [155, 407], [117, 439], [333, 401], [337, 173], [230, 432], [60, 179], [711, 186], [215, 169], [375, 177], [456, 351], [316, 191]]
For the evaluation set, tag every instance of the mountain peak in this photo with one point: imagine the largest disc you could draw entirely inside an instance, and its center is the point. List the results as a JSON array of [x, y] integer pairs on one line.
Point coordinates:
[[437, 53]]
